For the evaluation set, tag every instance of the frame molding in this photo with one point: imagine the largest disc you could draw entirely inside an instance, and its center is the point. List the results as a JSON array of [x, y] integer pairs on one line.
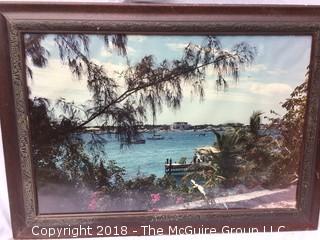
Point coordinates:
[[15, 20]]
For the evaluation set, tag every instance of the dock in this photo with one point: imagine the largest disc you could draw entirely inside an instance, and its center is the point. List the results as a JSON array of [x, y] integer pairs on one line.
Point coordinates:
[[177, 168]]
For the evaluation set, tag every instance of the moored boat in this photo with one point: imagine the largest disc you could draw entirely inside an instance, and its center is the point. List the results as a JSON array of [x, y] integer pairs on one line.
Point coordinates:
[[156, 137], [138, 141]]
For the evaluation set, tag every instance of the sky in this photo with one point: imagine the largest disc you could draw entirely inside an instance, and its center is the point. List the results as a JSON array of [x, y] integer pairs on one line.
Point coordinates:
[[280, 66]]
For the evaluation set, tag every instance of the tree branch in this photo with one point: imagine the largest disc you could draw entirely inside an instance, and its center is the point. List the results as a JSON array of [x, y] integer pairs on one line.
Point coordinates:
[[129, 92], [33, 40]]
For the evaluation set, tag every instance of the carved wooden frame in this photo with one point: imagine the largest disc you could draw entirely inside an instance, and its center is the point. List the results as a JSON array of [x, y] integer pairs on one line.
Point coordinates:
[[147, 19]]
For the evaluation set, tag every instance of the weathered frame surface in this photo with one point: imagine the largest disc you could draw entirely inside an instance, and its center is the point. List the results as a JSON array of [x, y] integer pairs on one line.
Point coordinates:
[[153, 19]]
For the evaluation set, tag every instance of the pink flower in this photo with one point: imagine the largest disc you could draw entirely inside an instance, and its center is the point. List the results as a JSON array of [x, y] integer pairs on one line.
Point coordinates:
[[93, 202], [92, 205], [155, 197], [154, 210], [179, 200]]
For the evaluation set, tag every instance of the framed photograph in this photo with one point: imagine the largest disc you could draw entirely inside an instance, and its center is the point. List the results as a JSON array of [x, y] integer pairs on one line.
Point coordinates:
[[134, 119]]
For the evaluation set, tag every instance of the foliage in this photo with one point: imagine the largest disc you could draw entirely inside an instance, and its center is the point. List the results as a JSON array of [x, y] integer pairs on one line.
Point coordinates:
[[183, 160], [291, 126], [74, 50], [167, 182], [229, 144], [142, 184], [116, 174], [65, 157], [255, 121], [103, 178], [209, 173]]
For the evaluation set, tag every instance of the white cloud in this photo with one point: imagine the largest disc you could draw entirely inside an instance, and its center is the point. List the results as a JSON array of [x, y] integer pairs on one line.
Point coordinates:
[[231, 94], [256, 68], [131, 50], [270, 89], [55, 81], [245, 73], [210, 71], [109, 52], [105, 52], [277, 71], [137, 38], [110, 68], [177, 46], [49, 44], [262, 68]]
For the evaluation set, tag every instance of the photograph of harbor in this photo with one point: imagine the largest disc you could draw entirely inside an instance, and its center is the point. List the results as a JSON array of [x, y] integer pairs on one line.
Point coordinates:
[[164, 123]]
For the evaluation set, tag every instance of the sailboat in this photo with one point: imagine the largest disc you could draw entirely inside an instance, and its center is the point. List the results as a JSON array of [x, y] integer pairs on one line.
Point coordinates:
[[154, 135], [138, 141]]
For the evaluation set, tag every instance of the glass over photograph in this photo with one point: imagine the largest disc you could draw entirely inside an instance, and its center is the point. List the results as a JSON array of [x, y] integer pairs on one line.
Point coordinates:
[[154, 123]]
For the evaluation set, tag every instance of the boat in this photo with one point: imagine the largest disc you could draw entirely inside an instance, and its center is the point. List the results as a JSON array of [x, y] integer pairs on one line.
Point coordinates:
[[154, 135], [138, 141]]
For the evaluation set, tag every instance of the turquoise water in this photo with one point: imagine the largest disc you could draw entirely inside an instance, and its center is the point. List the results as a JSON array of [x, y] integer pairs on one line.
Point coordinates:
[[149, 158]]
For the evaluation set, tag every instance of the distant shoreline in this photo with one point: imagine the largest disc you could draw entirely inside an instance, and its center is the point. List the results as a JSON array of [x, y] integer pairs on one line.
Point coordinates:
[[166, 127]]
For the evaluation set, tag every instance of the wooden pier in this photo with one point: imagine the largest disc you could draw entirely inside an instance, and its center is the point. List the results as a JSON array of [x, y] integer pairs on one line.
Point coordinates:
[[177, 168]]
